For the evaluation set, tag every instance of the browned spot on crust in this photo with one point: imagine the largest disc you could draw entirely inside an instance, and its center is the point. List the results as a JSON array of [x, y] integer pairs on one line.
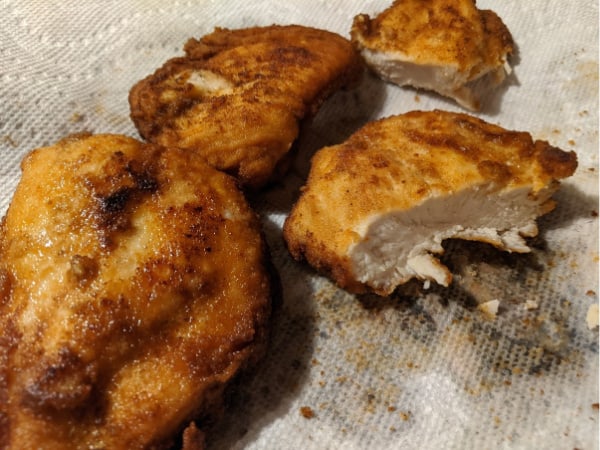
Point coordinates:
[[494, 170], [556, 162]]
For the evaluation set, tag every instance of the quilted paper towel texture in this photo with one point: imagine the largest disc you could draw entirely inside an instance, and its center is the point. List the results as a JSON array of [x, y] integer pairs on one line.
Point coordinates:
[[423, 368]]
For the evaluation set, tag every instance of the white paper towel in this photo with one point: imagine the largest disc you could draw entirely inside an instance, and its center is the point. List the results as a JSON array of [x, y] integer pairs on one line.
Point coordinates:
[[421, 369]]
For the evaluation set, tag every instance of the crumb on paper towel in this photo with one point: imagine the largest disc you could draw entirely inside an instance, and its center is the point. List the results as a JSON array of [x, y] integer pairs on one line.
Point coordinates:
[[307, 412], [490, 308], [531, 304], [592, 316]]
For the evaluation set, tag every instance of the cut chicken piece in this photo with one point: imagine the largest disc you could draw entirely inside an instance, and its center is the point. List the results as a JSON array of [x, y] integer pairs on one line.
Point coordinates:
[[237, 98], [448, 46], [377, 207], [133, 287]]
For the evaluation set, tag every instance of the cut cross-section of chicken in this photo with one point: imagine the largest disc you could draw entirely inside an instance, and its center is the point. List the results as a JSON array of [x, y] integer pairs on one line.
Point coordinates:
[[134, 285], [376, 208], [238, 96], [448, 46]]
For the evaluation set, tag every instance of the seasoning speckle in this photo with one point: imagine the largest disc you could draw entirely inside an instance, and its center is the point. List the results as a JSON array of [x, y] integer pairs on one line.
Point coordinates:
[[307, 412], [77, 117], [7, 139]]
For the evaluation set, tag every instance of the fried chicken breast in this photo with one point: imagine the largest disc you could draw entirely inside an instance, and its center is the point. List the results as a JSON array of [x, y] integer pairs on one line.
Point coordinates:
[[377, 207], [133, 287], [448, 46], [236, 99]]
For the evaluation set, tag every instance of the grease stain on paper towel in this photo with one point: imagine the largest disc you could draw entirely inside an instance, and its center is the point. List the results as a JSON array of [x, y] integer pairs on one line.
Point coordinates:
[[388, 343]]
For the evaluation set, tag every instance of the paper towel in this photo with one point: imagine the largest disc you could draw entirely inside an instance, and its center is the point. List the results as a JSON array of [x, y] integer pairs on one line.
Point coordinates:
[[424, 368]]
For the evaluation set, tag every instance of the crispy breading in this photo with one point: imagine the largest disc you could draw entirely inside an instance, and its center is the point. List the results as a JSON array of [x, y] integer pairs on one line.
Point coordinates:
[[238, 96], [133, 286], [448, 46], [376, 207]]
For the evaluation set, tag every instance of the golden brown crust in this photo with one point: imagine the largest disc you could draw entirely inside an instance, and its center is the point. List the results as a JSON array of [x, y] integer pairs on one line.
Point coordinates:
[[395, 164], [437, 32], [133, 286], [447, 46], [259, 83]]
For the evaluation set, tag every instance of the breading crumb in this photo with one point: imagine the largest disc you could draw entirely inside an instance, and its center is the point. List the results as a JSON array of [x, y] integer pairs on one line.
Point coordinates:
[[490, 308], [530, 304], [592, 316]]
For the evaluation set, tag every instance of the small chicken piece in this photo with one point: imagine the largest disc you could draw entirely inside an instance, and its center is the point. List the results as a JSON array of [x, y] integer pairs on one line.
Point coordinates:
[[133, 286], [238, 96], [376, 207], [448, 46]]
